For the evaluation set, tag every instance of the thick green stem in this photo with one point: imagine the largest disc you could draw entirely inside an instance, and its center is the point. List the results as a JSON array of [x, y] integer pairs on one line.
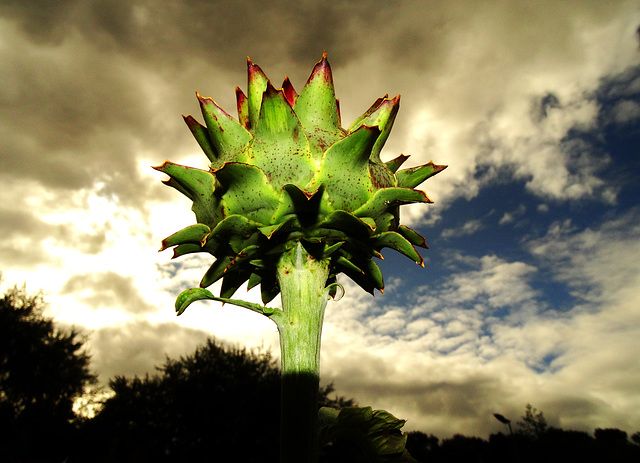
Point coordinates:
[[302, 282]]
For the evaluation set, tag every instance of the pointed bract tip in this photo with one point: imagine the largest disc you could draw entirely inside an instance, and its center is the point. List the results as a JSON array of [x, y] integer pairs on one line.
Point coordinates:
[[321, 66], [289, 92], [202, 99], [324, 54], [159, 168]]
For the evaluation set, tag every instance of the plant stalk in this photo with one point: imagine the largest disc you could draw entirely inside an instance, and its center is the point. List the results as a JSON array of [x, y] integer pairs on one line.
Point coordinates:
[[302, 281]]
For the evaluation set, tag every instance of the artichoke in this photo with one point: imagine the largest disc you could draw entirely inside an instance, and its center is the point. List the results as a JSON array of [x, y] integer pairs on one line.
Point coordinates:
[[291, 199], [286, 173]]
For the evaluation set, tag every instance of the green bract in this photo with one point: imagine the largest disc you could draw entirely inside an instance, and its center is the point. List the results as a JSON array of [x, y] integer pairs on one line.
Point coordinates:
[[287, 172]]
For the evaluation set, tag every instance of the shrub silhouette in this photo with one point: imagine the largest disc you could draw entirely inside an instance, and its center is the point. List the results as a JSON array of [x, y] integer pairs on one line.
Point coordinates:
[[43, 369], [218, 404]]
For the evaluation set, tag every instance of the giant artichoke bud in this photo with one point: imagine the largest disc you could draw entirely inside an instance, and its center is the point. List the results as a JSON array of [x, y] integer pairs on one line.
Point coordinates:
[[286, 172]]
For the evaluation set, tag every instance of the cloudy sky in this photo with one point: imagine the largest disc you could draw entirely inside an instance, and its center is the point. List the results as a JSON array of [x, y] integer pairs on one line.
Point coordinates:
[[531, 291]]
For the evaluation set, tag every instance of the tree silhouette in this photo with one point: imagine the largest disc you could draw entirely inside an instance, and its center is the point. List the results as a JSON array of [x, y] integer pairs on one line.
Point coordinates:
[[421, 446], [533, 423], [43, 369], [218, 404]]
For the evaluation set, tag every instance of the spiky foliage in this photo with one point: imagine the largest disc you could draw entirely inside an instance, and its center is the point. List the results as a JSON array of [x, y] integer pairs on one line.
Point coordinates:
[[286, 172]]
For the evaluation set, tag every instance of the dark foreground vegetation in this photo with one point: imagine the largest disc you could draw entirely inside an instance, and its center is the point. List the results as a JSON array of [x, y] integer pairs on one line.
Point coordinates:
[[218, 404], [553, 446]]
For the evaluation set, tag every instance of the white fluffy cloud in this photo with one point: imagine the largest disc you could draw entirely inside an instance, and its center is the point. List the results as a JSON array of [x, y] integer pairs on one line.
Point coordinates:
[[447, 363]]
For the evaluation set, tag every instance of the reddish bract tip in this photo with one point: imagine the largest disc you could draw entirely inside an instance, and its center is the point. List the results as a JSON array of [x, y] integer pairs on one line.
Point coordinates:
[[289, 92], [322, 69]]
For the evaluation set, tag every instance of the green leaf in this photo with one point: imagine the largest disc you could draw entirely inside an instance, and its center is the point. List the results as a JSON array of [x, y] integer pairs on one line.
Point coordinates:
[[189, 296], [389, 198], [360, 120], [316, 105], [226, 134], [199, 186], [233, 279], [269, 288], [395, 163], [193, 234], [247, 192], [382, 116], [254, 280], [257, 85], [348, 223], [280, 146], [376, 433], [234, 230], [183, 249], [306, 207], [216, 271], [243, 108], [197, 294], [201, 135], [398, 242], [413, 237], [344, 171], [289, 92], [414, 176]]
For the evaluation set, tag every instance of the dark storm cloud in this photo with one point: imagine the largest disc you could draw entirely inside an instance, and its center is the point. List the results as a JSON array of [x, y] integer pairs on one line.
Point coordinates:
[[84, 82], [541, 106], [107, 290], [218, 30], [90, 88], [24, 235], [136, 348], [619, 96]]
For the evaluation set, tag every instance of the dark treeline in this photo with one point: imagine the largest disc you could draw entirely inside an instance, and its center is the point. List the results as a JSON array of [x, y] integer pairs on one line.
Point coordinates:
[[219, 403], [553, 446]]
